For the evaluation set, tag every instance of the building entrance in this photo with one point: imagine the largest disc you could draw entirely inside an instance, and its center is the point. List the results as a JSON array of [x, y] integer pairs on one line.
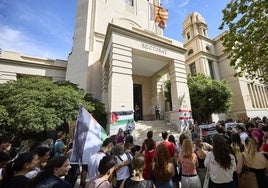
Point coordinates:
[[137, 99]]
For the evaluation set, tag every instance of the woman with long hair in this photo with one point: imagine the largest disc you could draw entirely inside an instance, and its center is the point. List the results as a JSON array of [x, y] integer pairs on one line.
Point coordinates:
[[201, 154], [237, 149], [221, 164], [175, 178], [15, 172], [162, 167], [148, 153], [51, 175], [137, 180], [236, 145], [255, 160], [189, 162]]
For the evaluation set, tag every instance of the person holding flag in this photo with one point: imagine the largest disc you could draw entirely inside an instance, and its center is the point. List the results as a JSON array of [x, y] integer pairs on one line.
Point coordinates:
[[88, 138]]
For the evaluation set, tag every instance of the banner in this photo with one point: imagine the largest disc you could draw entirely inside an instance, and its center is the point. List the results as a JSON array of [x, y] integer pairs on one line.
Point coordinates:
[[123, 120], [231, 126], [88, 137], [185, 114], [207, 130]]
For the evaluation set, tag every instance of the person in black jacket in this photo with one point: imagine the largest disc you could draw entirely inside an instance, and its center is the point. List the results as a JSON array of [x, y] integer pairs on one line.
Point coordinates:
[[14, 174], [51, 176]]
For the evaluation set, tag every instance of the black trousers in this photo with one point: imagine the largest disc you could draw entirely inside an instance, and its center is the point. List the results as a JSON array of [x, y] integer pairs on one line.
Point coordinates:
[[221, 185]]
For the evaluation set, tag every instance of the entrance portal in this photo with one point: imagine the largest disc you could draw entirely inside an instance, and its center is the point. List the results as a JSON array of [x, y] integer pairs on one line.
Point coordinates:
[[137, 98]]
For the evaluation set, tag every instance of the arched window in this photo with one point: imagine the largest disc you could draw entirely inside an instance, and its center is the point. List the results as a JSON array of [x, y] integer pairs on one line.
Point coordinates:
[[193, 69], [188, 35], [190, 51]]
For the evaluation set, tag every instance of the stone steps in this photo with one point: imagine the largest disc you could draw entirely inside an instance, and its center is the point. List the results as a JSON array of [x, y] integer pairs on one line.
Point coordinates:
[[157, 126]]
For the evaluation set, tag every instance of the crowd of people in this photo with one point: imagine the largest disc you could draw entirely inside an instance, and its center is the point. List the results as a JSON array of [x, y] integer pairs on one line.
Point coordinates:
[[170, 163]]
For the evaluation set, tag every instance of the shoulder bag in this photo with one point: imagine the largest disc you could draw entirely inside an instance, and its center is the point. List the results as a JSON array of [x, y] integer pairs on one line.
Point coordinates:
[[246, 179]]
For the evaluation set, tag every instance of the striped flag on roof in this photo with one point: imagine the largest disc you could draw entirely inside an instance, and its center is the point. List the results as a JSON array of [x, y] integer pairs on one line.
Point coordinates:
[[159, 15]]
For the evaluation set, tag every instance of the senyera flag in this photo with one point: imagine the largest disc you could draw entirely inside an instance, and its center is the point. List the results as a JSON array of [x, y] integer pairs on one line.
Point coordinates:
[[159, 15], [88, 137]]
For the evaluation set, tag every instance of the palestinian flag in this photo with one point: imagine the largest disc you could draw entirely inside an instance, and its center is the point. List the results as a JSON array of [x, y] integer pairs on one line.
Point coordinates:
[[88, 138], [122, 117]]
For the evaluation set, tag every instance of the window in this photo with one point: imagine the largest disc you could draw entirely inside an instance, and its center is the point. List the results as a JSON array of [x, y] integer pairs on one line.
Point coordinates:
[[193, 69], [188, 35], [130, 2], [211, 69], [204, 31], [207, 48], [190, 52]]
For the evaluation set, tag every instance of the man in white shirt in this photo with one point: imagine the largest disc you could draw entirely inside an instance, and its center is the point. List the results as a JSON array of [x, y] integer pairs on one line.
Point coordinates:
[[94, 160], [43, 155], [241, 131]]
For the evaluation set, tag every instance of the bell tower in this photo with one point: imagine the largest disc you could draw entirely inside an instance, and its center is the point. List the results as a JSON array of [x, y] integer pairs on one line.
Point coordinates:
[[201, 54]]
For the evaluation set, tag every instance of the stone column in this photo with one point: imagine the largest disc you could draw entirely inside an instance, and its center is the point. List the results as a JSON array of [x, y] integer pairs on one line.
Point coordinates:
[[105, 82], [179, 90], [120, 84]]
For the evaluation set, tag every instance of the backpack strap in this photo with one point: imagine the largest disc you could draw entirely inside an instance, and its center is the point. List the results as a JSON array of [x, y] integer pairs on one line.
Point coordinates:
[[128, 156], [120, 158]]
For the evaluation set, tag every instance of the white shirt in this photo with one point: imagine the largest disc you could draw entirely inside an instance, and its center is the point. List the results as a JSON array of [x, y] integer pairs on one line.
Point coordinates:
[[216, 172], [243, 137], [33, 173], [93, 164], [123, 172]]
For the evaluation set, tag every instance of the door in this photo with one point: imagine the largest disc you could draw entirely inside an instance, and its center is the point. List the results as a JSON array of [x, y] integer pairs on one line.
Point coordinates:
[[137, 101]]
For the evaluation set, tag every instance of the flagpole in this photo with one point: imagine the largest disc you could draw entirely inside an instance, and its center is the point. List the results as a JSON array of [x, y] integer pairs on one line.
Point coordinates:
[[154, 20], [149, 12]]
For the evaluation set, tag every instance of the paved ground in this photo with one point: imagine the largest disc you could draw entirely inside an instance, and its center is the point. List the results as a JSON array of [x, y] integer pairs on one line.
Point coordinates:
[[141, 129]]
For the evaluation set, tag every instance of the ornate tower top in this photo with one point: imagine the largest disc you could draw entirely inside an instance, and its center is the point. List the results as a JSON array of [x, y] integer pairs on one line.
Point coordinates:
[[194, 25]]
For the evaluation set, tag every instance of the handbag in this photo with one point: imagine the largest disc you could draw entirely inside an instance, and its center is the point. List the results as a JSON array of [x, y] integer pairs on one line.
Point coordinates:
[[246, 179], [206, 180]]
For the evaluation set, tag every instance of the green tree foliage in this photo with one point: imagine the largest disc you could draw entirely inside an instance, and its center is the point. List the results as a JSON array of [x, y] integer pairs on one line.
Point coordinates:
[[247, 37], [99, 110], [36, 105], [207, 97]]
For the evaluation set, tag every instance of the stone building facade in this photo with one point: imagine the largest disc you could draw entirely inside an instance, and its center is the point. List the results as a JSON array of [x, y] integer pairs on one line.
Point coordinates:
[[123, 59], [206, 55]]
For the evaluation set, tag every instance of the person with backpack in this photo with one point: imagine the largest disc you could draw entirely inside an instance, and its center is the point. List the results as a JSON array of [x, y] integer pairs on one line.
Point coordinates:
[[59, 146], [123, 161], [95, 159]]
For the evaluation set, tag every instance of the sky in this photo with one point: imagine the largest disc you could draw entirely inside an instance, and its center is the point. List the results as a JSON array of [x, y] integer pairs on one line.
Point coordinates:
[[44, 28]]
